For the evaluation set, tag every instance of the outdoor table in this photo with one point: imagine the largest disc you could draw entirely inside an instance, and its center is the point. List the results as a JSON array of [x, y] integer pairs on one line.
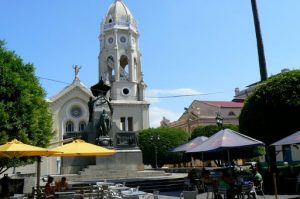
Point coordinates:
[[133, 193], [62, 194], [17, 196], [101, 186], [104, 183], [123, 188]]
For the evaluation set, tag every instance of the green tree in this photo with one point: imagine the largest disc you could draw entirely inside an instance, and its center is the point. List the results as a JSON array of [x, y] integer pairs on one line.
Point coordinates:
[[272, 111], [168, 139], [209, 130], [24, 113]]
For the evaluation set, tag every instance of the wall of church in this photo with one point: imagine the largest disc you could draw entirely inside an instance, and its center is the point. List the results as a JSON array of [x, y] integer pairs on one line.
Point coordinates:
[[68, 106], [139, 113], [124, 91]]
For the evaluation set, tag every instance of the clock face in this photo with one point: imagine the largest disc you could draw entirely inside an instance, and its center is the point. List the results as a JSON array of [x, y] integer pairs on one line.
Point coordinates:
[[123, 39], [110, 40]]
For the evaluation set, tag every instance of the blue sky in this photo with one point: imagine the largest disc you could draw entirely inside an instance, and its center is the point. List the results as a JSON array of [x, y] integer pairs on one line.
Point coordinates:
[[188, 47]]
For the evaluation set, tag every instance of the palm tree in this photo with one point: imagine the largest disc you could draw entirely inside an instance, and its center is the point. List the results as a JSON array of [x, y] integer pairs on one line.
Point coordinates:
[[260, 45]]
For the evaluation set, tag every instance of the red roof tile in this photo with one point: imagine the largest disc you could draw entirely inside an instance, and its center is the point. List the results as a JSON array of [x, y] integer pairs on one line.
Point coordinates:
[[226, 104]]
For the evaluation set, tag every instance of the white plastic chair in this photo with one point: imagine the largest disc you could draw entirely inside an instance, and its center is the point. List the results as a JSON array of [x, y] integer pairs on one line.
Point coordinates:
[[155, 194], [258, 188], [223, 191], [150, 196], [246, 190], [210, 189]]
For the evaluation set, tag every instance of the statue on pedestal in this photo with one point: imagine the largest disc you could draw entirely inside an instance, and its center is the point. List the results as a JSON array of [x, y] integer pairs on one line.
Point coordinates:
[[103, 125]]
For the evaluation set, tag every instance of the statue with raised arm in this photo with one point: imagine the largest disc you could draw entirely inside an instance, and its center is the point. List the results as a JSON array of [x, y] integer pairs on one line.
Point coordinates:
[[76, 70]]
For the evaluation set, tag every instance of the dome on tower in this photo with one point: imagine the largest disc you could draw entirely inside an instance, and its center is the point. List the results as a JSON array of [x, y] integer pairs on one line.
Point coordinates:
[[119, 15]]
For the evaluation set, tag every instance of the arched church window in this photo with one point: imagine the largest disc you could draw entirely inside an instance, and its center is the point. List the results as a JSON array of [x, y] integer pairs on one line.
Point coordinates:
[[135, 72], [124, 74], [110, 62], [82, 126], [231, 113], [110, 20], [69, 127]]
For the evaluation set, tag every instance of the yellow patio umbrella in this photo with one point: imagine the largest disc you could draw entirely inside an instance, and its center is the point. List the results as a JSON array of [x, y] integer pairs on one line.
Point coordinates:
[[17, 149], [81, 148]]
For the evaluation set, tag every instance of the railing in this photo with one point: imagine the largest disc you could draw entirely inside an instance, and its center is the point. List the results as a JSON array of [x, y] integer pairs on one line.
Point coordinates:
[[120, 23], [74, 135]]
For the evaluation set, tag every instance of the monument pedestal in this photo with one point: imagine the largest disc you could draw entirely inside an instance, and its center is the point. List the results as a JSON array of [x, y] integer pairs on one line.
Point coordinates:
[[130, 160], [104, 141]]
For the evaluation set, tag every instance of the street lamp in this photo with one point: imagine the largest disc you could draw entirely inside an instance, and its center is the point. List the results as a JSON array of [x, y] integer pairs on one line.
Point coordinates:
[[189, 119], [155, 138], [219, 120]]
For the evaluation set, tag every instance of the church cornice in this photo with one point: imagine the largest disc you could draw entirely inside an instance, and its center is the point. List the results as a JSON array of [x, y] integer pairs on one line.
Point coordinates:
[[125, 102], [69, 91]]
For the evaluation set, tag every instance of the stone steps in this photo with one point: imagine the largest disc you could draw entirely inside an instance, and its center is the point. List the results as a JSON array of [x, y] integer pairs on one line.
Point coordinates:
[[117, 174]]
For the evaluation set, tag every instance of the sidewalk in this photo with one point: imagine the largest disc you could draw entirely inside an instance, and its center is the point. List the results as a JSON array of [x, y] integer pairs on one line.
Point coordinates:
[[175, 195]]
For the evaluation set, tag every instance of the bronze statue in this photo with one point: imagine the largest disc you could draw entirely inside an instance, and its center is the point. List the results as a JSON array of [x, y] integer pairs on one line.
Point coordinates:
[[105, 123]]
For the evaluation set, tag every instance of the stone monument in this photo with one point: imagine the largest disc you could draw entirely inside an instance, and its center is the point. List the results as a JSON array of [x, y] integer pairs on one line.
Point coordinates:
[[117, 109], [100, 116]]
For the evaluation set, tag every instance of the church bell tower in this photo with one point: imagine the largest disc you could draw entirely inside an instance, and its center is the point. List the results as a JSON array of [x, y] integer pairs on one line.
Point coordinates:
[[120, 68]]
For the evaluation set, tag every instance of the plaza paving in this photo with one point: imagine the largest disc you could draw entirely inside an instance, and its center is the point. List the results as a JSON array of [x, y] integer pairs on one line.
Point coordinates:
[[175, 195]]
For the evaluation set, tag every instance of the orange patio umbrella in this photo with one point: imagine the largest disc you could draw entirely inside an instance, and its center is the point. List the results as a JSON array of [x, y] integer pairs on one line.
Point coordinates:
[[81, 148]]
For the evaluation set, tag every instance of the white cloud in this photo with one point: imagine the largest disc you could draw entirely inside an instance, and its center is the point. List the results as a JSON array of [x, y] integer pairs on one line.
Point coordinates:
[[157, 114], [153, 95]]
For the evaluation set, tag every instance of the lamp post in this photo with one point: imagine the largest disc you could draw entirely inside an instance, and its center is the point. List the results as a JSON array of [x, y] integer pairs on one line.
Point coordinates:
[[155, 138], [219, 120], [189, 119]]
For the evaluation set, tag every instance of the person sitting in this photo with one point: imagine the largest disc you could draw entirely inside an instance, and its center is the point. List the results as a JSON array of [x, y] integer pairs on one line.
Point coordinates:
[[49, 189], [191, 180], [206, 178], [256, 177], [208, 182], [5, 185], [227, 182], [62, 185]]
